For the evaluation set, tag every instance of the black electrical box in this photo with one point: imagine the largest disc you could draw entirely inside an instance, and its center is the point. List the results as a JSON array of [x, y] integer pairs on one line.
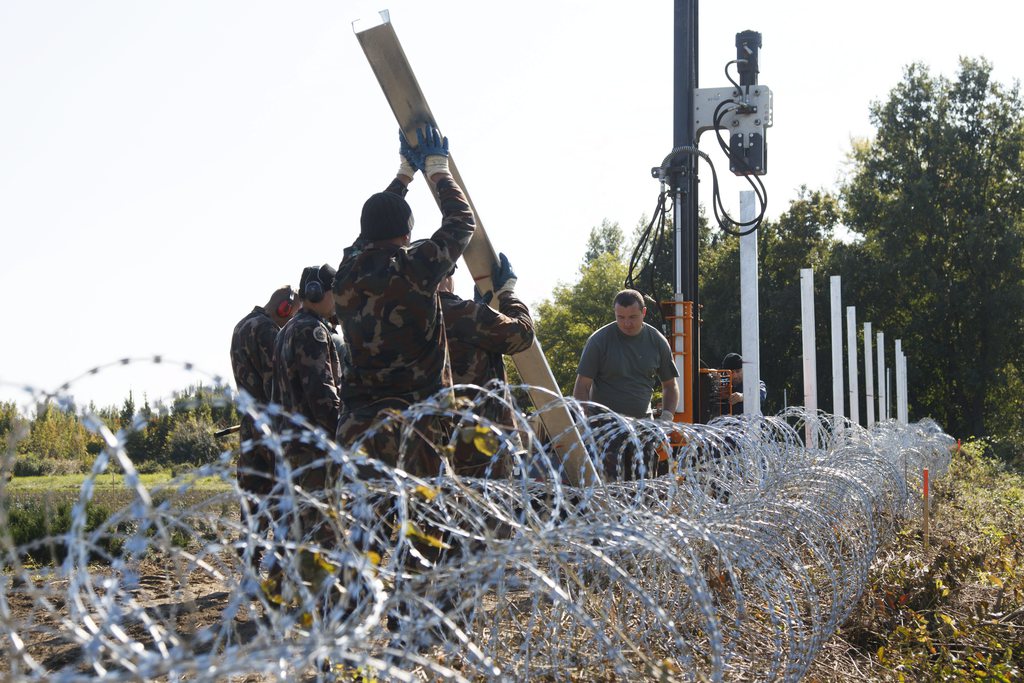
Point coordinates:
[[748, 154]]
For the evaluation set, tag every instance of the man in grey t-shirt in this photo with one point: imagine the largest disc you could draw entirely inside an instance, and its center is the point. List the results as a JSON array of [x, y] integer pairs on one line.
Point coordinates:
[[622, 360]]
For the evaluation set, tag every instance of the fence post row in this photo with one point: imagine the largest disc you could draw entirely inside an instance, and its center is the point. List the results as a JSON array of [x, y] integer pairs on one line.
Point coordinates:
[[750, 328], [809, 352]]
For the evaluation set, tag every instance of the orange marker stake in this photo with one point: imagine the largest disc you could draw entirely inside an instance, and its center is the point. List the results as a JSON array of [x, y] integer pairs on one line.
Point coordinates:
[[926, 509]]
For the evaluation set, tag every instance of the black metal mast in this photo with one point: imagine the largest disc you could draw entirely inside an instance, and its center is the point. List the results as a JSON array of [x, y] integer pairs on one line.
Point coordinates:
[[683, 181]]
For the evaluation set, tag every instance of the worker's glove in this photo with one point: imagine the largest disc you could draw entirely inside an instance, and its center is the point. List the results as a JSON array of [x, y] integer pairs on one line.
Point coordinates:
[[502, 276], [410, 160], [666, 416], [481, 298], [433, 148]]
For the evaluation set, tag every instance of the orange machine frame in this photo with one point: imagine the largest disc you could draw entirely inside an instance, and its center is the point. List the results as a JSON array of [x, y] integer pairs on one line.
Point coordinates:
[[686, 389]]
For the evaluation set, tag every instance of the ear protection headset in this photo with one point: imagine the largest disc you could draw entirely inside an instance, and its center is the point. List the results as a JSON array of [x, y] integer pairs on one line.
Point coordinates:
[[313, 290], [284, 308]]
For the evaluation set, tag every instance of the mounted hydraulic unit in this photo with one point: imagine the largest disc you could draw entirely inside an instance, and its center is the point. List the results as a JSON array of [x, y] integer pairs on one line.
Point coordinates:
[[744, 110]]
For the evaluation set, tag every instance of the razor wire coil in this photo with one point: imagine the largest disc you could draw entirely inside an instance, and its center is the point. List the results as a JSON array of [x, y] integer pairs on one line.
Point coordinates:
[[739, 562]]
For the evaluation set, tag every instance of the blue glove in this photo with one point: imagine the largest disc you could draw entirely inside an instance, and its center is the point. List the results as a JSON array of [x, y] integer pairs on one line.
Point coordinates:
[[410, 159], [433, 147], [482, 299], [503, 278]]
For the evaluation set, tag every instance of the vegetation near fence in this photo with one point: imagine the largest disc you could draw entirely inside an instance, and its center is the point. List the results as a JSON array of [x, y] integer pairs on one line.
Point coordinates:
[[956, 610], [56, 441], [39, 510]]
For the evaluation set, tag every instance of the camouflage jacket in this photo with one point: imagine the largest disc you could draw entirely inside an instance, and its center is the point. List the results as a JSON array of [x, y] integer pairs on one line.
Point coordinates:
[[386, 300], [307, 371], [478, 336], [252, 354]]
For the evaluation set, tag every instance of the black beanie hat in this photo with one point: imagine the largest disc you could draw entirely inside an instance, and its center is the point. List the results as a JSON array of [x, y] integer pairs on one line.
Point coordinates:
[[732, 361], [385, 215]]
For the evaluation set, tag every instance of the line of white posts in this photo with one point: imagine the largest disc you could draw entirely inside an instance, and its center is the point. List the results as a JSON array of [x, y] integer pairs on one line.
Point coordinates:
[[879, 389], [843, 404]]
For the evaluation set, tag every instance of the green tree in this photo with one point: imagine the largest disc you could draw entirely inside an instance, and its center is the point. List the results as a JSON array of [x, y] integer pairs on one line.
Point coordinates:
[[606, 238], [206, 405], [574, 311], [802, 237], [653, 261], [938, 199], [11, 421], [192, 442], [57, 442], [127, 414]]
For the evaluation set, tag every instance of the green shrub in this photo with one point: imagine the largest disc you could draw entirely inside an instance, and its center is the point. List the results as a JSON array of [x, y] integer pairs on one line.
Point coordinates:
[[150, 467], [37, 522], [193, 442], [29, 465], [33, 465], [946, 614]]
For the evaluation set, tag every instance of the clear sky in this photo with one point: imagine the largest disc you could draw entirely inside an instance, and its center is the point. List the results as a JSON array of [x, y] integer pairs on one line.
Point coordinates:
[[164, 165]]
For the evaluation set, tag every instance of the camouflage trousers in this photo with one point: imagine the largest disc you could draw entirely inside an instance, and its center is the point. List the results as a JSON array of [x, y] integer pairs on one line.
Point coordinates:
[[417, 447], [394, 441], [478, 452], [255, 475], [256, 462], [314, 475], [618, 454]]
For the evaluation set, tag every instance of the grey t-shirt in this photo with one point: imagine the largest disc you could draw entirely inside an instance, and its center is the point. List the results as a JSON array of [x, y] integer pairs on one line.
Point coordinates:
[[624, 368]]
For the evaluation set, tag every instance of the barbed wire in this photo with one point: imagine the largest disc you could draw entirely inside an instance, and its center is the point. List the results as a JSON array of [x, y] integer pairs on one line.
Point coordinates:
[[736, 557]]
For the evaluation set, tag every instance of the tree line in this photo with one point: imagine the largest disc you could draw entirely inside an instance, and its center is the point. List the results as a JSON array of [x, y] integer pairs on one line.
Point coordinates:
[[926, 230], [60, 439]]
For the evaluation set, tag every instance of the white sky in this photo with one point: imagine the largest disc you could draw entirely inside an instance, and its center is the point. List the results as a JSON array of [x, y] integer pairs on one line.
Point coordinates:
[[165, 165]]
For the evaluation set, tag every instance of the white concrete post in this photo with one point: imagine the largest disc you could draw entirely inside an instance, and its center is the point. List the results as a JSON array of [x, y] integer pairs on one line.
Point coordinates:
[[838, 389], [869, 374], [810, 361], [901, 383], [906, 392], [889, 387], [881, 376], [750, 331], [899, 378], [851, 363]]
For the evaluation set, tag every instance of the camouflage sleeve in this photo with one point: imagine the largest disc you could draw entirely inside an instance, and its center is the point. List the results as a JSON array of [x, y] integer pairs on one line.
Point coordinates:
[[397, 187], [436, 256], [507, 331], [315, 370], [266, 338]]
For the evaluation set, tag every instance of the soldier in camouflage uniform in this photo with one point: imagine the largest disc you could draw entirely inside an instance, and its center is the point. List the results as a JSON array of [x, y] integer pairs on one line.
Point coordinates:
[[307, 376], [386, 298], [252, 354], [478, 338]]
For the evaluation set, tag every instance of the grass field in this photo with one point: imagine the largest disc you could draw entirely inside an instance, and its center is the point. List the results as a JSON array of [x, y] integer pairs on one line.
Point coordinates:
[[73, 482], [38, 509]]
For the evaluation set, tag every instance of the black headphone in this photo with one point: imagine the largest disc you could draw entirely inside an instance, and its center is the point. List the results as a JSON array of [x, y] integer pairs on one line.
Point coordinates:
[[313, 290]]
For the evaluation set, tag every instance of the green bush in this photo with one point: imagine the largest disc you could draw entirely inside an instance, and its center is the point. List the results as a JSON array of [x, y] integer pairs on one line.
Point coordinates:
[[947, 614], [36, 524], [150, 467], [193, 442], [29, 465], [33, 465]]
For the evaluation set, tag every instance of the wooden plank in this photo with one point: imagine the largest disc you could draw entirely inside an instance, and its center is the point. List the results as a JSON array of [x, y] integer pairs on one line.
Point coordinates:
[[402, 91]]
